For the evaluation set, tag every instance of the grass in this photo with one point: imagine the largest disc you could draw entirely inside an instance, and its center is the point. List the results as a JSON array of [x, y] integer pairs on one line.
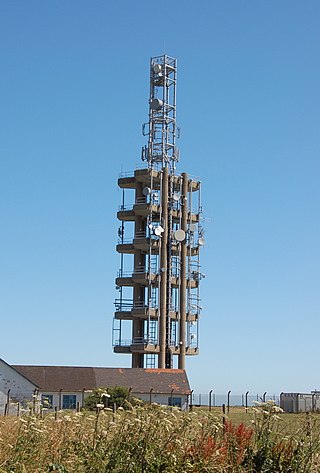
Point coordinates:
[[290, 423], [154, 439]]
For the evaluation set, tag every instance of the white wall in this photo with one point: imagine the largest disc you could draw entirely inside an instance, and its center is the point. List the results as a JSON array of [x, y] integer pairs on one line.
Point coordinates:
[[57, 400], [20, 388], [163, 398]]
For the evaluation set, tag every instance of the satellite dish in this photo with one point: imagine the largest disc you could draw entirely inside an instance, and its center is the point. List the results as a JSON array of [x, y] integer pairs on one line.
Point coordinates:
[[158, 231], [150, 226], [146, 191], [156, 104], [179, 235], [176, 197], [192, 227], [157, 68], [201, 241]]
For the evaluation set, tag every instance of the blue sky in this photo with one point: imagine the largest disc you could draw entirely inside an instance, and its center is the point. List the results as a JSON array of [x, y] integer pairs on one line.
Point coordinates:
[[74, 93]]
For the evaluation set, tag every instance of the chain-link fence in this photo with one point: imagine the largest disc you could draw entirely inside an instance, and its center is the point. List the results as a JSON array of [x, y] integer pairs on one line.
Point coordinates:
[[20, 403], [246, 399]]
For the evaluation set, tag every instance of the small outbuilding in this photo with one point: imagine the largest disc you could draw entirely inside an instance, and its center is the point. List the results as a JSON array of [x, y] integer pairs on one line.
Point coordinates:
[[300, 402]]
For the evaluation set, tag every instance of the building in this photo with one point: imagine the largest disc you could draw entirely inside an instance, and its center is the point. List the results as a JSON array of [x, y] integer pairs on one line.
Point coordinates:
[[299, 402], [158, 307], [65, 387]]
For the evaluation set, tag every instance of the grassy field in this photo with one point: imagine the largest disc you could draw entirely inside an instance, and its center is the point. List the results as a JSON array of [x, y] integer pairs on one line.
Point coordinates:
[[155, 439], [287, 423]]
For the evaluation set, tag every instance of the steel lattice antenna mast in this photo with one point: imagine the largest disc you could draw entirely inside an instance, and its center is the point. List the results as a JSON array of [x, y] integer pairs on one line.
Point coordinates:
[[160, 297], [162, 127]]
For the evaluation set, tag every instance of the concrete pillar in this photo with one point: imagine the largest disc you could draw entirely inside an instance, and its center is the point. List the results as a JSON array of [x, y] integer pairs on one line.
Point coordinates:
[[183, 275], [163, 268]]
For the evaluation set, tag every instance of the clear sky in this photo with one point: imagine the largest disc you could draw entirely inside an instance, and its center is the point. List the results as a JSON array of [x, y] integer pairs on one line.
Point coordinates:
[[73, 95]]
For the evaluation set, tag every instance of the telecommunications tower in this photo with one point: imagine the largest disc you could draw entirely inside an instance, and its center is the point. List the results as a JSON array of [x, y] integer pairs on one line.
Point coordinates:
[[158, 308]]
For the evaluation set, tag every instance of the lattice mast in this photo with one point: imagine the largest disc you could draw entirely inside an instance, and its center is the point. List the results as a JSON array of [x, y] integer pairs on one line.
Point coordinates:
[[164, 307]]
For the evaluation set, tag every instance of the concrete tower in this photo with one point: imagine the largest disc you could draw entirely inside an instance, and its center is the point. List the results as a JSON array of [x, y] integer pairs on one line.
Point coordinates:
[[158, 308]]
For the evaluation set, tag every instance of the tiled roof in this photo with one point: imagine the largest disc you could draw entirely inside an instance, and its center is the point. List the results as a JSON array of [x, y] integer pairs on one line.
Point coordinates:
[[76, 378]]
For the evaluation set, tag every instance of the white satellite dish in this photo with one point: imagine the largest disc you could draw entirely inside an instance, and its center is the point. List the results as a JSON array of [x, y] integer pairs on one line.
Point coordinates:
[[157, 68], [192, 227], [150, 226], [176, 197], [201, 241], [180, 235], [146, 191], [156, 104], [158, 230]]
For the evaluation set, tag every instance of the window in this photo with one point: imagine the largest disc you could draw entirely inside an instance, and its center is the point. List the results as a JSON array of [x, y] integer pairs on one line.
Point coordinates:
[[47, 401], [175, 401], [69, 401]]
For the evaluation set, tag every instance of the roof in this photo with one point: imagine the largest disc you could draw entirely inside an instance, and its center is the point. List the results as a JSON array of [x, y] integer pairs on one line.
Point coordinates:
[[19, 373], [77, 378]]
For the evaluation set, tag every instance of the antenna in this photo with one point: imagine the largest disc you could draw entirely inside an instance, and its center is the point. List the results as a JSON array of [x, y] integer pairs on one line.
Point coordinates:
[[162, 129], [157, 315]]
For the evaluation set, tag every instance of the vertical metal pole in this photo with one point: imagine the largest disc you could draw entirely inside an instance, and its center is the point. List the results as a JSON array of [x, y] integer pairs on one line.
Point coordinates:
[[163, 269], [8, 402], [183, 274], [60, 399], [229, 392], [210, 394], [247, 401], [264, 396], [224, 417], [150, 399]]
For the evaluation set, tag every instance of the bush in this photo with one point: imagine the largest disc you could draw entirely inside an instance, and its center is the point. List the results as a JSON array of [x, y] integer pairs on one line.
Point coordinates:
[[107, 397]]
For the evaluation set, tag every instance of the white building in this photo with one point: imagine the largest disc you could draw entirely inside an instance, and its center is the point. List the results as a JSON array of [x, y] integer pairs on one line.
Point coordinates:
[[65, 387]]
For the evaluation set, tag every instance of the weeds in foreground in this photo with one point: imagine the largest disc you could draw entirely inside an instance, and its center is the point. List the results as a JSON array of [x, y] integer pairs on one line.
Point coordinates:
[[154, 439]]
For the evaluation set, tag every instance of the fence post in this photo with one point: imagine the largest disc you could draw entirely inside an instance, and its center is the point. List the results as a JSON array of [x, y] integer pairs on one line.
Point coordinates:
[[224, 417], [229, 392], [60, 399], [150, 399], [171, 397], [210, 394], [82, 397], [312, 407], [190, 402], [55, 413], [8, 402], [247, 401], [34, 401]]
